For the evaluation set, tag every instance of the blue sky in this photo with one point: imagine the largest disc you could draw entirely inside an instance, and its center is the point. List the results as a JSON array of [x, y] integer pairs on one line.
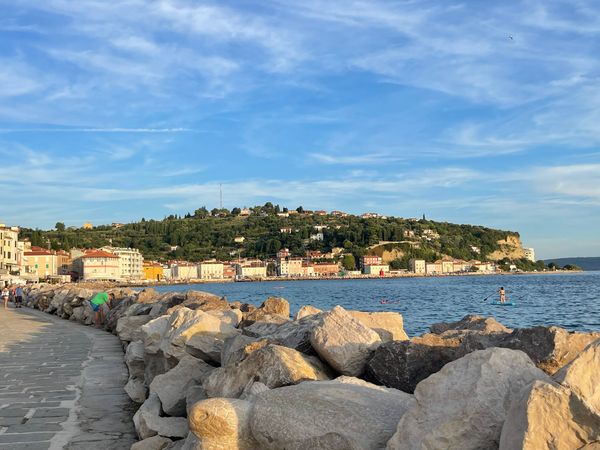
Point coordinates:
[[470, 112]]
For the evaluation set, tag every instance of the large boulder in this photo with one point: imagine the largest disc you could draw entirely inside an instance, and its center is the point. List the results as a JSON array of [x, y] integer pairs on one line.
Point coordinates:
[[222, 423], [295, 334], [172, 386], [208, 346], [185, 323], [271, 306], [266, 325], [134, 358], [307, 310], [136, 389], [345, 413], [344, 342], [464, 405], [156, 364], [205, 301], [473, 323], [130, 328], [403, 364], [153, 332], [550, 348], [582, 375], [273, 365], [237, 347], [147, 296], [148, 422], [165, 302], [388, 325], [547, 416]]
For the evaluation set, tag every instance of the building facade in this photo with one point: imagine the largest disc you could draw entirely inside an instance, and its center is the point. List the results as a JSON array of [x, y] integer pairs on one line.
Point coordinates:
[[210, 270], [9, 236], [184, 271], [99, 265], [131, 262], [254, 269], [417, 266], [42, 262], [529, 254], [376, 269]]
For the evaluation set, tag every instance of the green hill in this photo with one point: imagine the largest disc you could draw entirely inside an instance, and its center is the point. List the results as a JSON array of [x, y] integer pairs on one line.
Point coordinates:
[[205, 234]]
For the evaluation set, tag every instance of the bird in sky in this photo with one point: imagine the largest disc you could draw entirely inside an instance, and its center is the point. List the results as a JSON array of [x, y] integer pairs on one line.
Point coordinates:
[[510, 37]]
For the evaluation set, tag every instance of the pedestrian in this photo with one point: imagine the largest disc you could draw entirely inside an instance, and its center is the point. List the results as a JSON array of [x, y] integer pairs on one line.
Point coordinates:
[[101, 304], [5, 295], [502, 295], [19, 297]]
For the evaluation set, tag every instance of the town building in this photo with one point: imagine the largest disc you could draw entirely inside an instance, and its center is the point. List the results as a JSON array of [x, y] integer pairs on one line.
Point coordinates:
[[245, 212], [283, 253], [63, 262], [370, 260], [325, 269], [251, 269], [434, 268], [229, 271], [376, 269], [239, 239], [286, 230], [339, 214], [88, 226], [289, 267], [153, 271], [529, 254], [9, 236], [320, 213], [408, 233], [210, 270], [131, 262], [98, 265], [317, 237], [42, 262], [184, 271], [283, 214], [117, 225], [447, 265]]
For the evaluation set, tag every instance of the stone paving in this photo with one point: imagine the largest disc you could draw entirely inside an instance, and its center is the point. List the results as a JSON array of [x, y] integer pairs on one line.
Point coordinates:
[[61, 385]]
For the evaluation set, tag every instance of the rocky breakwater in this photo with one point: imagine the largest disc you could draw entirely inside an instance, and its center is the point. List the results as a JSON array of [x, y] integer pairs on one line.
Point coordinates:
[[209, 374]]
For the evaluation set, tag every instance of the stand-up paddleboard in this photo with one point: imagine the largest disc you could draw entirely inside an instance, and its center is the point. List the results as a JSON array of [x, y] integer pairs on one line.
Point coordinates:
[[504, 304]]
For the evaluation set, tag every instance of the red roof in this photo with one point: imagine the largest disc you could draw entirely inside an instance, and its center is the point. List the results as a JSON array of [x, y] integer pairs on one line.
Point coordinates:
[[99, 254]]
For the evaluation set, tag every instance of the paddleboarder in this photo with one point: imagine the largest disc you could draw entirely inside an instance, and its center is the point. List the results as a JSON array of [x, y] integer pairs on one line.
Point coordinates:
[[502, 295]]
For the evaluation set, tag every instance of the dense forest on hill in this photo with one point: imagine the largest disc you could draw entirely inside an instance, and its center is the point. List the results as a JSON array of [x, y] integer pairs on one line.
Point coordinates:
[[210, 234]]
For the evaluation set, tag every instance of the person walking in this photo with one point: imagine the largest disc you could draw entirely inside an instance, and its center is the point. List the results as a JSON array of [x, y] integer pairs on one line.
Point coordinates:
[[19, 297], [5, 295]]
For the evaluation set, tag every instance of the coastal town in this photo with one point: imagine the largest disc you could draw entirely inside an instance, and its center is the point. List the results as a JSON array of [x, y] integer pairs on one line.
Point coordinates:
[[20, 261]]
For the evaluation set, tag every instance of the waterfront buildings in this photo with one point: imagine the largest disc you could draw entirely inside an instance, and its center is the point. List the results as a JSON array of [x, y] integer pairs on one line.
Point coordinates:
[[255, 269], [376, 269], [184, 271], [42, 262], [210, 270], [153, 271]]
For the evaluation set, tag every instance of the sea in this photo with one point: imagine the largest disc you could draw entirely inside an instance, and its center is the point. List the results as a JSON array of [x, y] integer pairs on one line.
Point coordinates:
[[569, 300]]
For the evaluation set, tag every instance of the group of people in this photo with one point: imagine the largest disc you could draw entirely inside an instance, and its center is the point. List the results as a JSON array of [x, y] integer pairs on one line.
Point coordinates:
[[16, 292]]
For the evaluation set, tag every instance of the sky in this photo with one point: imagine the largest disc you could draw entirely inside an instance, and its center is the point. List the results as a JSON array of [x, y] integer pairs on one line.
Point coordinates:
[[469, 112]]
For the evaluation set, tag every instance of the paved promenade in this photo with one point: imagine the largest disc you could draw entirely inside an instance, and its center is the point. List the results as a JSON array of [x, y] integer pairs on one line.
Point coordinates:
[[61, 385]]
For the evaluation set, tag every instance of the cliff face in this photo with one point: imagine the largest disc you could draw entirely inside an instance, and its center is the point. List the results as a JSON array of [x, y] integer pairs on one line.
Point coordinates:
[[510, 247]]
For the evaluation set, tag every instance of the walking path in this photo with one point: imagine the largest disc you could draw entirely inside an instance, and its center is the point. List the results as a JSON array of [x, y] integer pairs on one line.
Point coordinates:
[[61, 385]]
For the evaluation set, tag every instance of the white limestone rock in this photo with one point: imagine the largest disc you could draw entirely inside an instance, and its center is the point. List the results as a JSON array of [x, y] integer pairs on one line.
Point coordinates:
[[582, 375], [464, 405], [346, 413], [388, 325], [136, 390], [344, 342], [129, 328], [171, 387], [153, 332], [307, 310], [152, 443], [547, 416], [185, 323], [273, 365], [148, 422]]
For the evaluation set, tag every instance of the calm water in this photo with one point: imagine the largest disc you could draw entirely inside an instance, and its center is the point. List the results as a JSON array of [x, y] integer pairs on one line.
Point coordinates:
[[570, 300]]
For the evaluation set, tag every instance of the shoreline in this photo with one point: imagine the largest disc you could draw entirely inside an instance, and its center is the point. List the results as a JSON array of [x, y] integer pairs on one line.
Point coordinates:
[[332, 278]]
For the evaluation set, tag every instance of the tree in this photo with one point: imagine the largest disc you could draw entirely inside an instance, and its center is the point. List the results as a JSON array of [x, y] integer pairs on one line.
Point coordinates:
[[349, 262], [201, 213], [300, 209], [236, 211], [59, 226]]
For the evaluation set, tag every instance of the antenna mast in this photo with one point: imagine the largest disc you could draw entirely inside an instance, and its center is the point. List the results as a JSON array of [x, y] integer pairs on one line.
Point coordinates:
[[220, 196]]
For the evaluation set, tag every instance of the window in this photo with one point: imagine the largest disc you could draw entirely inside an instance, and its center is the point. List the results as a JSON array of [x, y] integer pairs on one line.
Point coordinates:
[[36, 266], [46, 266]]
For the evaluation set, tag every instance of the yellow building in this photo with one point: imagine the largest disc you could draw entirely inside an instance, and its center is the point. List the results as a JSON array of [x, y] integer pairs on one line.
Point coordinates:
[[88, 226], [41, 262], [153, 271]]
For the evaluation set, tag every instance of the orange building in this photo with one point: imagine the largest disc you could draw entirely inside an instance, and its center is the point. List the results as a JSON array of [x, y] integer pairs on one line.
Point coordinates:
[[153, 271]]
